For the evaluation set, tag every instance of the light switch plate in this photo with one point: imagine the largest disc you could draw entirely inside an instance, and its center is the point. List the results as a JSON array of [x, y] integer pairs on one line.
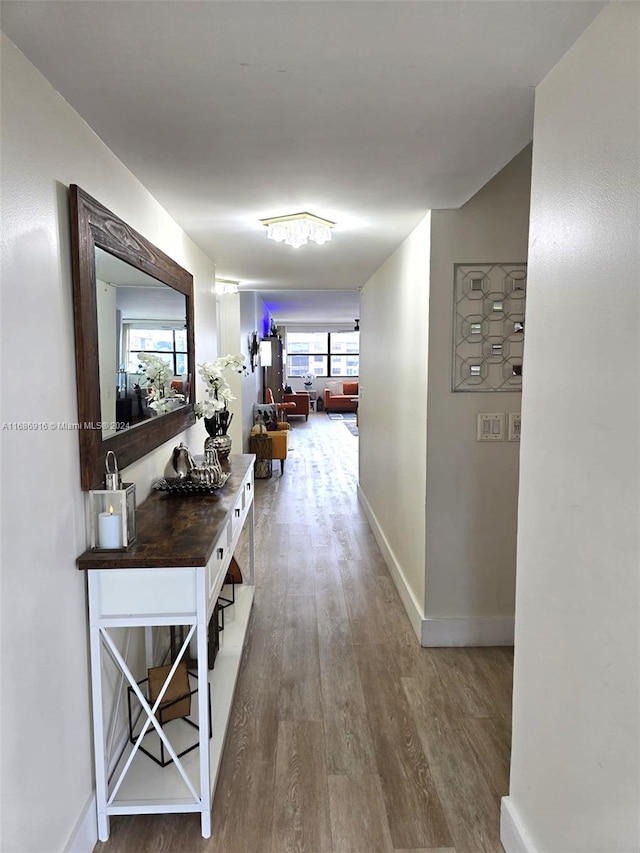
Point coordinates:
[[514, 426], [490, 427]]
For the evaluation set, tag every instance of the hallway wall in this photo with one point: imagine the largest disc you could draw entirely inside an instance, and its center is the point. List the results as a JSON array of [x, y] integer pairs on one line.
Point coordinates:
[[47, 772], [472, 488], [392, 412], [254, 316], [575, 784], [449, 531]]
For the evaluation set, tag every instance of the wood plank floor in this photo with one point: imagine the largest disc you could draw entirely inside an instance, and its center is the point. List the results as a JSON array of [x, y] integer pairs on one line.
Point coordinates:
[[345, 735]]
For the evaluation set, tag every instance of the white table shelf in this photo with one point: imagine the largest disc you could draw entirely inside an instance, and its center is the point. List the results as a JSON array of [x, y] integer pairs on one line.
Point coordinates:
[[148, 781], [175, 581]]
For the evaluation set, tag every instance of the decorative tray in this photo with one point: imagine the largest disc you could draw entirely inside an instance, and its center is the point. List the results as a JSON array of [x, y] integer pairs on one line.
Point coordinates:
[[183, 486]]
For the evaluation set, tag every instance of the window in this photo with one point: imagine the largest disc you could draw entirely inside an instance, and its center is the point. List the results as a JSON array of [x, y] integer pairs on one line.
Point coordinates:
[[323, 353], [170, 344], [344, 350]]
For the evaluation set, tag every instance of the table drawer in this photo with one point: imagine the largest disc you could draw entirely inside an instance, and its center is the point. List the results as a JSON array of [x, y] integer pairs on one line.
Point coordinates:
[[238, 516], [219, 563], [144, 592], [242, 505]]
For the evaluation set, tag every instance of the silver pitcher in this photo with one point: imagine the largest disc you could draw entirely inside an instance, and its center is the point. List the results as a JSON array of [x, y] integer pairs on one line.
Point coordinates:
[[182, 461]]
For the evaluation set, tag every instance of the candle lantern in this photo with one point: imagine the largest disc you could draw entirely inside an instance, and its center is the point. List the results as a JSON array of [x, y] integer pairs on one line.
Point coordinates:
[[112, 511]]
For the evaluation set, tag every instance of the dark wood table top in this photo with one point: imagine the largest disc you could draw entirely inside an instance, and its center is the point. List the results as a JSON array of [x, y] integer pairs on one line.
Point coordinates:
[[176, 530]]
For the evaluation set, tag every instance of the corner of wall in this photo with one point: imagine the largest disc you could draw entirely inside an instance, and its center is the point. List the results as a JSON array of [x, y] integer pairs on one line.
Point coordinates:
[[85, 835], [513, 835], [468, 631], [411, 605]]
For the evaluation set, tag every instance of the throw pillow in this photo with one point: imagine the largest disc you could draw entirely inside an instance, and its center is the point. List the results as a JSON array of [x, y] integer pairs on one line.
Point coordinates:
[[267, 414]]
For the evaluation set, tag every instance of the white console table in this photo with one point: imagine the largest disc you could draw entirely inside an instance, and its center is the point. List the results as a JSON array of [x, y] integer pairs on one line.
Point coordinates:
[[172, 576]]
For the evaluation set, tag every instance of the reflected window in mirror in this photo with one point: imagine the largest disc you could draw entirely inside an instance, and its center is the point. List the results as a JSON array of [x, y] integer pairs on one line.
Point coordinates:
[[137, 315]]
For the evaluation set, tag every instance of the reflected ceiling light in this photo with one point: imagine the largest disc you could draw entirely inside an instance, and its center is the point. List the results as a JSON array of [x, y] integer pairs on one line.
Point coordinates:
[[297, 228], [225, 286]]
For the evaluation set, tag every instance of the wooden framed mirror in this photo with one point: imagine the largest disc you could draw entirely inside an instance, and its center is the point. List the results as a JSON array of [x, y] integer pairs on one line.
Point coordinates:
[[118, 278]]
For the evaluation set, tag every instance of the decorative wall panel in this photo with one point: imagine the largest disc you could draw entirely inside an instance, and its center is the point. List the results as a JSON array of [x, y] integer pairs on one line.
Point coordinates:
[[488, 326]]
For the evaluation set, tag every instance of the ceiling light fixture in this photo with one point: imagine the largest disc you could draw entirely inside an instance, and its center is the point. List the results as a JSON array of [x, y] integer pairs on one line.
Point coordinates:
[[225, 286], [297, 228]]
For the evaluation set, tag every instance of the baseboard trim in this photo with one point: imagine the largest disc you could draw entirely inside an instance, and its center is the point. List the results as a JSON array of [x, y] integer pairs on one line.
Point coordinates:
[[513, 835], [409, 601], [446, 631], [85, 836], [474, 631]]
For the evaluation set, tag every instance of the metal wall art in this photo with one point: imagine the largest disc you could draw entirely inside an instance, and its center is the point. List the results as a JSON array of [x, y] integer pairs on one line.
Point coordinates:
[[488, 326]]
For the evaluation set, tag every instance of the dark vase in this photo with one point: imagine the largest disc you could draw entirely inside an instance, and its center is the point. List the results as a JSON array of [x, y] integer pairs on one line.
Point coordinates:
[[217, 427], [217, 424]]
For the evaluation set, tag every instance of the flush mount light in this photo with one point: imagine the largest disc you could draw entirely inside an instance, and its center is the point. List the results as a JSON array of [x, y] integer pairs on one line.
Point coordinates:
[[297, 228], [225, 286]]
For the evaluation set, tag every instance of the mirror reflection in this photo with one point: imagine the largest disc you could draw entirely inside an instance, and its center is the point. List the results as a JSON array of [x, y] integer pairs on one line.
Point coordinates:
[[140, 320]]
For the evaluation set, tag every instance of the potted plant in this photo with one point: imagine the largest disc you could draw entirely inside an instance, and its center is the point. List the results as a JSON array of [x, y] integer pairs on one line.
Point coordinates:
[[161, 397], [214, 409]]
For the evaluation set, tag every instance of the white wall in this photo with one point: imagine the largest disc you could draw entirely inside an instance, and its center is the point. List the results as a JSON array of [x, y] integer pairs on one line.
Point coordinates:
[[230, 344], [47, 775], [239, 315], [254, 317], [472, 487], [394, 336], [576, 736], [449, 532]]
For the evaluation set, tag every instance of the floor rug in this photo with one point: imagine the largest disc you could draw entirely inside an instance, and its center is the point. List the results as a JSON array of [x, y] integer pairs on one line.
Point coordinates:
[[352, 426], [342, 416]]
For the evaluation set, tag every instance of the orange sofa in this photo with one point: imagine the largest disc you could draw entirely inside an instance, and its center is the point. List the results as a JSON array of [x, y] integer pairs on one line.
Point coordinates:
[[302, 402], [339, 397]]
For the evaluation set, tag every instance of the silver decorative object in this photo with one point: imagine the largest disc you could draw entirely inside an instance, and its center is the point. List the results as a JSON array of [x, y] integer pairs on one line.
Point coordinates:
[[182, 461]]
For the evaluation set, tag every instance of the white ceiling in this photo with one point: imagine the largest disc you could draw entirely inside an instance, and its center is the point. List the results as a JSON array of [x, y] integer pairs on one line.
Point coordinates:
[[365, 113], [139, 296]]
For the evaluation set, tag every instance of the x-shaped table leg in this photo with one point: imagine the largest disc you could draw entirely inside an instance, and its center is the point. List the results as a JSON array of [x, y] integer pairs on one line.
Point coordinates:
[[149, 711]]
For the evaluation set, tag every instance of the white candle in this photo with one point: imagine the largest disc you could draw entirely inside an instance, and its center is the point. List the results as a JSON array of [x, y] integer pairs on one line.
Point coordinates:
[[110, 529]]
